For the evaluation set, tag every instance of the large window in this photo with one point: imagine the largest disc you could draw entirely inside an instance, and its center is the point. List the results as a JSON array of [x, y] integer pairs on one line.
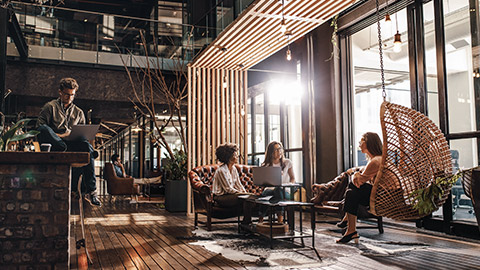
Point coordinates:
[[367, 89], [277, 111], [461, 68], [445, 88]]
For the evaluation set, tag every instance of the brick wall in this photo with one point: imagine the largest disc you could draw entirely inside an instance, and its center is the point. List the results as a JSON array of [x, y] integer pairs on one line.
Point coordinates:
[[34, 216]]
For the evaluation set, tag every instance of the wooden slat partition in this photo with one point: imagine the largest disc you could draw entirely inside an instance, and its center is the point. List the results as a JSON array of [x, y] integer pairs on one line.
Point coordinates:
[[216, 98], [255, 34]]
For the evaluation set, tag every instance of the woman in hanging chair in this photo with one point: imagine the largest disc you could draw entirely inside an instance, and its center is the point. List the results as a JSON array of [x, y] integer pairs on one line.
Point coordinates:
[[360, 187]]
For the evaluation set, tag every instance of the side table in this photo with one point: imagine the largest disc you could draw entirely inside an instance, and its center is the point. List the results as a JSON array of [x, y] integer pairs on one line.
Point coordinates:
[[292, 233]]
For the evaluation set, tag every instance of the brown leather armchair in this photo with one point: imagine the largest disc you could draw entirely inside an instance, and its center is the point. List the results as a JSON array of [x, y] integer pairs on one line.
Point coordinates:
[[201, 179], [328, 199], [117, 185]]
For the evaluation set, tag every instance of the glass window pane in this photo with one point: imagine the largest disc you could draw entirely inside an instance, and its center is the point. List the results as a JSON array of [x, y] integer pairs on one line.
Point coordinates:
[[273, 118], [259, 124], [366, 75], [464, 155], [297, 161], [458, 42], [431, 62]]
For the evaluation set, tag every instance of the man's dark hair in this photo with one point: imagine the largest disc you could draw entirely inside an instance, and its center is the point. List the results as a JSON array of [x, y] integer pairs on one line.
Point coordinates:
[[114, 157], [225, 152], [68, 83]]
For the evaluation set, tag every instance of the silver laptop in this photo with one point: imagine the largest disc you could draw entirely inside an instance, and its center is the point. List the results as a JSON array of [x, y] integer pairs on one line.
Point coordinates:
[[86, 131], [267, 176]]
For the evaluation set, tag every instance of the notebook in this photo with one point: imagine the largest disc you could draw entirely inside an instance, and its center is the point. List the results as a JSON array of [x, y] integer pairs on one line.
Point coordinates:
[[86, 131], [267, 176]]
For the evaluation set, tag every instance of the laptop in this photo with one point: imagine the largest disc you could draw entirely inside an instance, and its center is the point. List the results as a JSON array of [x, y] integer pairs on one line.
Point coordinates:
[[267, 176], [86, 131]]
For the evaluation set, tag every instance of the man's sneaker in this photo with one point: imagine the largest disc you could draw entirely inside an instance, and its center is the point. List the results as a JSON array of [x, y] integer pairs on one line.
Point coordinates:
[[92, 198]]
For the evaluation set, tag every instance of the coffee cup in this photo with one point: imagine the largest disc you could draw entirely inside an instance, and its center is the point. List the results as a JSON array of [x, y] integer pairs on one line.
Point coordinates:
[[45, 147]]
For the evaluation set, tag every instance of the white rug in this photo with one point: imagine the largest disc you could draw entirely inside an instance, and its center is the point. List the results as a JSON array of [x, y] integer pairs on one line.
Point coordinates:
[[254, 251]]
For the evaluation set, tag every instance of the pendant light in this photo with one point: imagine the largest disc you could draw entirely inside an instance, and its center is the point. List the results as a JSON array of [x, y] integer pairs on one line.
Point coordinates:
[[397, 38]]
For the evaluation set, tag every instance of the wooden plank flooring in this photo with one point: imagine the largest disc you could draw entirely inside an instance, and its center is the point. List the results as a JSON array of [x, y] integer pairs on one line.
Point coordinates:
[[121, 235]]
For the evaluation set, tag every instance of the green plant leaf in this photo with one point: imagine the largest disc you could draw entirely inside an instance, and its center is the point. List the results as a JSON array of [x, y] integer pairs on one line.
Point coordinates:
[[29, 134]]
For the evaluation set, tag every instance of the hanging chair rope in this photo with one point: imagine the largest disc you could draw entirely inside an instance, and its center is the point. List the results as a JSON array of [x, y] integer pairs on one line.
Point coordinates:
[[415, 153]]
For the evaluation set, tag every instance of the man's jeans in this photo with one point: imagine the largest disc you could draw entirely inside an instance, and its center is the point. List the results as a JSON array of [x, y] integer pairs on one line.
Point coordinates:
[[80, 145]]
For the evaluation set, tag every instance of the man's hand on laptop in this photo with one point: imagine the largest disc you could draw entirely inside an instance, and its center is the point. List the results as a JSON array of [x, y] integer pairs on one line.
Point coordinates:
[[66, 134]]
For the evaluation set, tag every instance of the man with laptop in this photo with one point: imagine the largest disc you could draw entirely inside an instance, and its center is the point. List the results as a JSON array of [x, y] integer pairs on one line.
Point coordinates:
[[55, 123]]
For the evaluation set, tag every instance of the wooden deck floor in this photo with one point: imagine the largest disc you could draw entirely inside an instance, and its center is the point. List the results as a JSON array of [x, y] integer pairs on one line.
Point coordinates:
[[121, 235]]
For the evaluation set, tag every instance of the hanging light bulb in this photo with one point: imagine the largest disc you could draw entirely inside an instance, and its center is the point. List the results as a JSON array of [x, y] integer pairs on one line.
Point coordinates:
[[289, 54], [283, 26], [388, 22], [397, 42], [225, 81]]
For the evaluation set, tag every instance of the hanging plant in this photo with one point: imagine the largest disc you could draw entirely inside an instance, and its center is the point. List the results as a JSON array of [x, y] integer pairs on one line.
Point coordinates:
[[333, 39], [425, 198]]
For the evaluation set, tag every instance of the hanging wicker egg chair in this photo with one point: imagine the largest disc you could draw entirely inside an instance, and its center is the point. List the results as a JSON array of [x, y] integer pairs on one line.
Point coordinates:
[[415, 153]]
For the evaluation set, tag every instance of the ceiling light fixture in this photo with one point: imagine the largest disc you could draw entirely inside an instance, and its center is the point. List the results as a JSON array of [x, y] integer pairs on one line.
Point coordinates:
[[388, 20], [397, 38], [283, 24]]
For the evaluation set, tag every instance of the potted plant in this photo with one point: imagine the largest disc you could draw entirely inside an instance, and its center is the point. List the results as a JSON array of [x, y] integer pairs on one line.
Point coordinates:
[[10, 135], [175, 182]]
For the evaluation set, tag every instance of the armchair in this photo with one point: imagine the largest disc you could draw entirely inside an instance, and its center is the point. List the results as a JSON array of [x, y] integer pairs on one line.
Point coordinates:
[[328, 199], [117, 185], [201, 179]]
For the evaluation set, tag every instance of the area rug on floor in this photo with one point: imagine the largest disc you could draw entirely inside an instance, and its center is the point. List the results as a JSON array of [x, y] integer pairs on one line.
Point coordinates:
[[254, 251]]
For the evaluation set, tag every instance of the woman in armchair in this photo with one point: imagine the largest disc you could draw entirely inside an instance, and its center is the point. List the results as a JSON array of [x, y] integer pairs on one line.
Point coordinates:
[[360, 187], [226, 185]]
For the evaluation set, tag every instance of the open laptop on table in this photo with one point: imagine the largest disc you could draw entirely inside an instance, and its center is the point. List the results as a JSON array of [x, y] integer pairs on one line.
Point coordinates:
[[267, 176], [86, 131]]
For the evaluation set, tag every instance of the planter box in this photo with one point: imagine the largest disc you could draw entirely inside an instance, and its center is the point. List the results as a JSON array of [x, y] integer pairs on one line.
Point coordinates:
[[176, 196]]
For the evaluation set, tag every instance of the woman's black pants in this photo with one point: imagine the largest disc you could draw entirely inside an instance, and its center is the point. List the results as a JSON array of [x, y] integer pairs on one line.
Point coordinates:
[[356, 196]]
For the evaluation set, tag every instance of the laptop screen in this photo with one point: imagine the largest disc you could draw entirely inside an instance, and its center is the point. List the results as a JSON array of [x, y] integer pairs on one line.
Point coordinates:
[[267, 176]]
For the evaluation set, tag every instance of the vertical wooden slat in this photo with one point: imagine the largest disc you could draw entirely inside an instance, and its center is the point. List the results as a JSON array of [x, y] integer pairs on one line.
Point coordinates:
[[227, 106], [199, 117], [208, 118], [214, 113], [245, 119], [232, 106], [218, 100], [204, 109], [237, 109], [191, 128], [189, 141]]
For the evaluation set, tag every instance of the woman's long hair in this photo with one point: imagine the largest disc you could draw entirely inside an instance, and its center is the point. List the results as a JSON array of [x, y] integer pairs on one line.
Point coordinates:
[[374, 144], [269, 155]]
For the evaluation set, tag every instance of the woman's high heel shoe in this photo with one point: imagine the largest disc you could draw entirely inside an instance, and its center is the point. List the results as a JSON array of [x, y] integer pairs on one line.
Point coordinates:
[[342, 224], [348, 237]]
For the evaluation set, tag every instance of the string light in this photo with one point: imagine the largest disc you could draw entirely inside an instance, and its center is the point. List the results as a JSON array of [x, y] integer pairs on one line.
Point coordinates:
[[289, 54]]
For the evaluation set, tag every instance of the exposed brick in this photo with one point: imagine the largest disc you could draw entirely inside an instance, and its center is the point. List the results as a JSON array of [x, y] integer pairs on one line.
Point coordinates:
[[49, 230], [61, 244], [10, 206], [26, 257], [61, 218], [35, 218], [61, 194], [36, 195], [7, 245], [7, 257], [26, 207]]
